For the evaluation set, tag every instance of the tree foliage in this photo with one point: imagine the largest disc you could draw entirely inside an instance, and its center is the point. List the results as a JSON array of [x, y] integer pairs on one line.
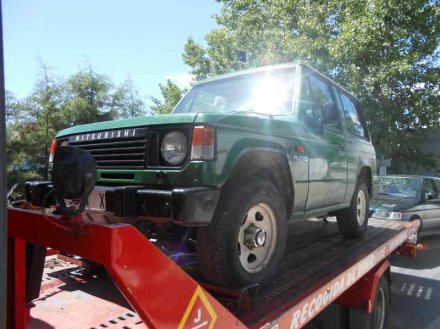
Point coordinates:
[[171, 94], [385, 52], [54, 104], [127, 101], [89, 97]]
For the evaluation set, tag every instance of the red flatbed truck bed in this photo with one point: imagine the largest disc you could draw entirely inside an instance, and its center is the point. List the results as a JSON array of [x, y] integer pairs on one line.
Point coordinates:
[[319, 267]]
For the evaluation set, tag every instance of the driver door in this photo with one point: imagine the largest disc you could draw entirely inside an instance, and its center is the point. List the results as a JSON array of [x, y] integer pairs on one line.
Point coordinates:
[[327, 152]]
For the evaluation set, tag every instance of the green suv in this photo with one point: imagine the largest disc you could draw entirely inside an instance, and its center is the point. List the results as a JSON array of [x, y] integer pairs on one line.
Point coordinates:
[[239, 157]]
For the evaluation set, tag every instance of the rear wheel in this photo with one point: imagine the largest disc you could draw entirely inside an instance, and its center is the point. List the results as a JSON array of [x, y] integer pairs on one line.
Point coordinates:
[[378, 319], [335, 316], [246, 238], [353, 221]]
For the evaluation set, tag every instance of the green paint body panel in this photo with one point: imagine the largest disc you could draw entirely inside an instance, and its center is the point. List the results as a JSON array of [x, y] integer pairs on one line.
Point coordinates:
[[128, 123], [323, 164]]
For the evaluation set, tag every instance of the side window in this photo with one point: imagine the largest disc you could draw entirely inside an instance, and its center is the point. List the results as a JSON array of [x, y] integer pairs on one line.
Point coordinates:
[[320, 92], [352, 116], [321, 95], [430, 187], [307, 106], [437, 183]]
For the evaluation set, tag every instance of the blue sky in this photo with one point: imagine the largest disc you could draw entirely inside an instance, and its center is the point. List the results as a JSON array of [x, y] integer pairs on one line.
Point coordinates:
[[145, 38]]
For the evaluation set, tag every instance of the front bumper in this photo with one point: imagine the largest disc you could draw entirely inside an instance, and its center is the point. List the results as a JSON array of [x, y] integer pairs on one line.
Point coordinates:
[[190, 206]]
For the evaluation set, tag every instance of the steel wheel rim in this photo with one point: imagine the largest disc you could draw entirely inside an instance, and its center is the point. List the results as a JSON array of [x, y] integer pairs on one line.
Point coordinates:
[[379, 309], [361, 203], [261, 216]]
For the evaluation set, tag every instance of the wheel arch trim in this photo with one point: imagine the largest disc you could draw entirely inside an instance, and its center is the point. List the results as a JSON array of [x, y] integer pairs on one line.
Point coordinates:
[[260, 148]]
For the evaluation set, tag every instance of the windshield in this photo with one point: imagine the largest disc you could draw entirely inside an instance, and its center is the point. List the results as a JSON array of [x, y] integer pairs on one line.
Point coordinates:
[[399, 186], [266, 93]]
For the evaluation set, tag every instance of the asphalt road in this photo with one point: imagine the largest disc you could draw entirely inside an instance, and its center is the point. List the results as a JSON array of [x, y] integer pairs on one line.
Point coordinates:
[[416, 287]]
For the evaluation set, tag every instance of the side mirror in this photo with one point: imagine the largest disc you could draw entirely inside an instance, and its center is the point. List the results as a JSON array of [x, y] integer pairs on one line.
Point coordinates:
[[330, 113], [314, 121]]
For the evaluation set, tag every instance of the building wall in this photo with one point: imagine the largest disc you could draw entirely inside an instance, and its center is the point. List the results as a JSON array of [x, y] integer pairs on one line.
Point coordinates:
[[431, 145]]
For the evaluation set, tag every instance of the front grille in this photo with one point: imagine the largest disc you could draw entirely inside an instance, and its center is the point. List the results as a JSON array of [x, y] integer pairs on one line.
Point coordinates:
[[121, 152]]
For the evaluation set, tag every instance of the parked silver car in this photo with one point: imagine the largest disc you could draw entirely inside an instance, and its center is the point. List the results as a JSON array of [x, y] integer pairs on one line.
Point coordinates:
[[407, 198]]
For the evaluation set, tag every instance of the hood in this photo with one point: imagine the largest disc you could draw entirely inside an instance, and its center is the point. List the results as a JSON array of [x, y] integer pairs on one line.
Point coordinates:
[[129, 123], [252, 122], [390, 203]]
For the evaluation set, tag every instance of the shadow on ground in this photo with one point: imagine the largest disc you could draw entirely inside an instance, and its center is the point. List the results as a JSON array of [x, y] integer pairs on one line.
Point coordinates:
[[416, 288], [415, 302]]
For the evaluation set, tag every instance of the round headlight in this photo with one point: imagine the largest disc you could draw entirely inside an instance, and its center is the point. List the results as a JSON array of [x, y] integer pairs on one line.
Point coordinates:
[[174, 147]]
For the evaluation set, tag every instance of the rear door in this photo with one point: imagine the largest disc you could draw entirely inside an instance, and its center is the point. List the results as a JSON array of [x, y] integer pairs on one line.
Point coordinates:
[[431, 212], [327, 152]]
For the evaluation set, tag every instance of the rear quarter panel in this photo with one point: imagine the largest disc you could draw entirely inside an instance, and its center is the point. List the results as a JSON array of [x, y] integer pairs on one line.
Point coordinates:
[[360, 153]]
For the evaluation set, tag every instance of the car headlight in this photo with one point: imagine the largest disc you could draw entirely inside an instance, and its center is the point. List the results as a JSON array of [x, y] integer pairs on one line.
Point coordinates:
[[174, 147], [395, 215], [387, 214], [381, 214]]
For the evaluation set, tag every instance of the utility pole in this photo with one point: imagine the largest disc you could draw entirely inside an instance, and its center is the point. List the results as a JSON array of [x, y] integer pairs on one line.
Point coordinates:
[[3, 201]]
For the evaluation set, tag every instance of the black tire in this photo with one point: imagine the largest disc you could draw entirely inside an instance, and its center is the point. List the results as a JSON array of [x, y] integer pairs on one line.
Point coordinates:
[[335, 316], [347, 219], [218, 246], [379, 318]]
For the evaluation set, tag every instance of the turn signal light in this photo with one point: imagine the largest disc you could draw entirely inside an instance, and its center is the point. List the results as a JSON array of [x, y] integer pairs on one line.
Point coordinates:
[[202, 146], [53, 148]]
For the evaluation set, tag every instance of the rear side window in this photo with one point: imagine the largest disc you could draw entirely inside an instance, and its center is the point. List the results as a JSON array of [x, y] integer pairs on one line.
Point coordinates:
[[437, 182], [352, 116], [430, 187]]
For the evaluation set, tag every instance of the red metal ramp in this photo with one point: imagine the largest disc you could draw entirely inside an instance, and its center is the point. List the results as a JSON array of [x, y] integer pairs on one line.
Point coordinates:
[[163, 295]]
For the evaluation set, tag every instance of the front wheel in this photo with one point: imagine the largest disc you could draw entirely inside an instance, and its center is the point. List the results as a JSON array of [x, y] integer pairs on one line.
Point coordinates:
[[353, 221], [245, 241]]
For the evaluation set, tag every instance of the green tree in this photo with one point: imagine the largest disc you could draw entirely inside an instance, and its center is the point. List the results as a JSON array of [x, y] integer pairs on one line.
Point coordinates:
[[171, 94], [45, 107], [89, 98], [23, 155], [127, 101], [34, 122], [54, 104], [16, 168], [386, 52], [13, 110]]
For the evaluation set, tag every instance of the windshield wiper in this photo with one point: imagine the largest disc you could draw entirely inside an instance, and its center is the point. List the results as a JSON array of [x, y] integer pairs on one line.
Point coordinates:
[[249, 111], [385, 193], [399, 195]]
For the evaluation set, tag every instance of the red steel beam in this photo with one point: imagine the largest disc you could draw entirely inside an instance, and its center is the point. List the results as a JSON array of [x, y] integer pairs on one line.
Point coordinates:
[[161, 293], [16, 291]]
